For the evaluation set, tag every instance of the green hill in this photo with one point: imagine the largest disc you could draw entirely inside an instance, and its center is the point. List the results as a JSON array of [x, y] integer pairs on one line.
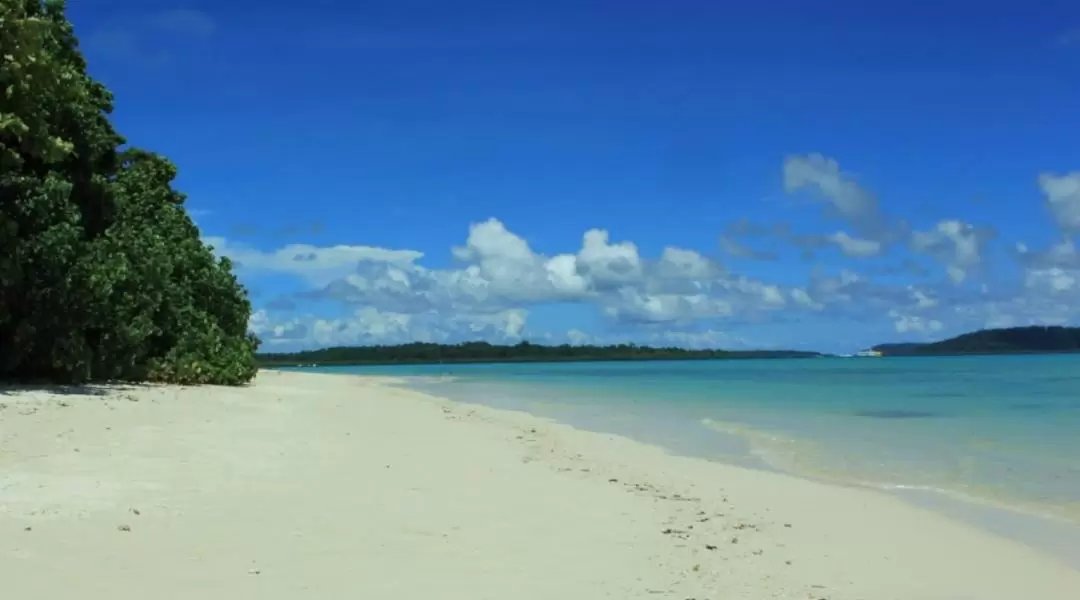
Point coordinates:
[[1013, 340]]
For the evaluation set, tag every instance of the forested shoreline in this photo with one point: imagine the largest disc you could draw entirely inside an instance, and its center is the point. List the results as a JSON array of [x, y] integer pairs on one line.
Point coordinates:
[[474, 352], [1017, 340], [1011, 340]]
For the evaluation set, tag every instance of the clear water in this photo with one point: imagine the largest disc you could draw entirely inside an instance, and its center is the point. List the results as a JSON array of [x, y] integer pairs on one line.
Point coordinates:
[[1002, 431]]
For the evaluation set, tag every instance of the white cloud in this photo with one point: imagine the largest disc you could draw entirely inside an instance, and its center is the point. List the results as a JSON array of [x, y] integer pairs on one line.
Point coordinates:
[[955, 244], [368, 325], [855, 247], [263, 325], [608, 266], [391, 297], [563, 275], [510, 269], [1054, 280], [1051, 284], [677, 263], [1061, 254], [394, 297], [1063, 198], [319, 265], [802, 298], [635, 306], [850, 201], [922, 300], [500, 271], [914, 324]]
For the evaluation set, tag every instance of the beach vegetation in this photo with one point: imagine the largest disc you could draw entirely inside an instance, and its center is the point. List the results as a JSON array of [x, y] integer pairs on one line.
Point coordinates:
[[103, 275]]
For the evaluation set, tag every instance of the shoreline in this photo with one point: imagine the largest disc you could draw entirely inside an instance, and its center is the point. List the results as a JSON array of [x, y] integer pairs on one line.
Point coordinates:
[[309, 485], [1057, 532], [1031, 523], [1045, 531]]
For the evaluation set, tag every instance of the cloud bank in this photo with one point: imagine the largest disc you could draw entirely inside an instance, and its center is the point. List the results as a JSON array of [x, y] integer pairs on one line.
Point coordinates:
[[682, 296]]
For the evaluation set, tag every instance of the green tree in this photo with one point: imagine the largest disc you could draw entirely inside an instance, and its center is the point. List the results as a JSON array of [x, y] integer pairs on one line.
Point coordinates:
[[102, 273]]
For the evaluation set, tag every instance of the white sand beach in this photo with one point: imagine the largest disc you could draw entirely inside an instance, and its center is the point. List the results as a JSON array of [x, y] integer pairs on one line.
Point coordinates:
[[322, 486]]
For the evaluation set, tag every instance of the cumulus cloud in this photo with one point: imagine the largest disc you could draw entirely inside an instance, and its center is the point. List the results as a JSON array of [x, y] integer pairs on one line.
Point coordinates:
[[1051, 284], [1063, 198], [845, 199], [955, 244], [682, 264], [848, 200], [608, 266], [274, 330], [498, 276], [368, 325], [679, 295], [508, 268], [499, 271]]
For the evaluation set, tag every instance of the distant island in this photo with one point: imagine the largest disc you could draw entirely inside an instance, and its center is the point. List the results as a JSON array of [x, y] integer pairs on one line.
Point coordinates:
[[1016, 340], [483, 352], [1013, 340]]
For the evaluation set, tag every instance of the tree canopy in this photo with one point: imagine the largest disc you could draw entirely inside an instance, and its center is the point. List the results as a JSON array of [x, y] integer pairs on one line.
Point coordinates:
[[1013, 340], [524, 352], [103, 275]]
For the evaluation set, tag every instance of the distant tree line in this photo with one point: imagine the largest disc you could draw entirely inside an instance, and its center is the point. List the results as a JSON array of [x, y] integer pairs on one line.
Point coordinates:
[[103, 275], [522, 352], [1013, 340]]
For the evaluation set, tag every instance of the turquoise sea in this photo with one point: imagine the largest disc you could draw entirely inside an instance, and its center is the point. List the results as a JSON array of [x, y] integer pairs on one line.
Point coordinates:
[[999, 432]]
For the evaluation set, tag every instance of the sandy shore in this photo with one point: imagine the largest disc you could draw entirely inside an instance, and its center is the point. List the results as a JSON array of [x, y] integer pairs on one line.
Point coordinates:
[[317, 486]]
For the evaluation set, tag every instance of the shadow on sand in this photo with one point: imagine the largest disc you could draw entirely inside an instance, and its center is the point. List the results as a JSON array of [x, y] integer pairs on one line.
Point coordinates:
[[88, 389]]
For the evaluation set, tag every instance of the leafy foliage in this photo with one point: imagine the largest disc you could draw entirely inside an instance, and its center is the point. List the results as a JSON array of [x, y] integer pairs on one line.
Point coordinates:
[[1013, 340], [523, 352], [102, 273]]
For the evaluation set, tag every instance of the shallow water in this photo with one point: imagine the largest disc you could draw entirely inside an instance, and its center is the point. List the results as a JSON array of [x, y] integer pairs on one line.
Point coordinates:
[[1001, 431]]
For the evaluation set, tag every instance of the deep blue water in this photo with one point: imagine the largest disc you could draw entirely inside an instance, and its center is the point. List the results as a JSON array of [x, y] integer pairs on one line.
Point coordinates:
[[1001, 430]]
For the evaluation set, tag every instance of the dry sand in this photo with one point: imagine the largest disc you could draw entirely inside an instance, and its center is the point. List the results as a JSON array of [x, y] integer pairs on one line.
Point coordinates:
[[333, 487]]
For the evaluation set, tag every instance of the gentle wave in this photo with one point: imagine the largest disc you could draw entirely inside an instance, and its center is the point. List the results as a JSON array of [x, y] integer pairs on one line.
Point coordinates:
[[807, 458]]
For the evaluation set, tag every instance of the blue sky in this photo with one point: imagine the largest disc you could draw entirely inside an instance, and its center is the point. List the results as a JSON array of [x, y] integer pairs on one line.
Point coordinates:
[[688, 172]]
